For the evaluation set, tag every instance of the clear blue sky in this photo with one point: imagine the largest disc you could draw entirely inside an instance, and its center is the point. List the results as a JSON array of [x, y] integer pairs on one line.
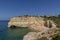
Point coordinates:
[[11, 8]]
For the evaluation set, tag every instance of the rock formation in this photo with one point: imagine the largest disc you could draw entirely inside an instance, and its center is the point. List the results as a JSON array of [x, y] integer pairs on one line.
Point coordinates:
[[42, 26], [26, 21]]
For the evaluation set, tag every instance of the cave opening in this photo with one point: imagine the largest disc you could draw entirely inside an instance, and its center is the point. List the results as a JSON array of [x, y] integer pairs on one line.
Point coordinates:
[[12, 26]]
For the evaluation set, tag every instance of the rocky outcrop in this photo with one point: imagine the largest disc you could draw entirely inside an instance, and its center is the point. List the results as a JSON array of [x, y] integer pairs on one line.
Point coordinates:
[[38, 35], [39, 24], [26, 21], [36, 23]]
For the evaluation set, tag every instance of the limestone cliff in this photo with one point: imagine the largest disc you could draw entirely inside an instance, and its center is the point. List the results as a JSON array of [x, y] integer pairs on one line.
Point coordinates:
[[32, 22], [25, 21], [39, 24]]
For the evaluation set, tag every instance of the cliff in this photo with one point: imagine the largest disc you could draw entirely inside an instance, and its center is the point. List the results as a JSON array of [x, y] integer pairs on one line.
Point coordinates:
[[39, 24], [31, 22], [25, 21]]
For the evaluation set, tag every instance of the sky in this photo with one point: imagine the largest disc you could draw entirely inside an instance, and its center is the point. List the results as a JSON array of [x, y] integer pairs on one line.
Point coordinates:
[[11, 8]]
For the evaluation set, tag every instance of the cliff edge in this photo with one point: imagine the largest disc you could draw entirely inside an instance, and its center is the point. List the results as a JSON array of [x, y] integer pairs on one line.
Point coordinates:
[[39, 24]]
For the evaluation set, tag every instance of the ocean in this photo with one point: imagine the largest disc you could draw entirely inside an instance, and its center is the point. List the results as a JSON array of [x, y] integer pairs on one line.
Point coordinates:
[[11, 34], [3, 30]]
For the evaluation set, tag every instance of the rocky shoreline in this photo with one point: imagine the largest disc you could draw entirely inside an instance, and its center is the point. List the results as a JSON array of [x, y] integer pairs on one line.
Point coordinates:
[[43, 27]]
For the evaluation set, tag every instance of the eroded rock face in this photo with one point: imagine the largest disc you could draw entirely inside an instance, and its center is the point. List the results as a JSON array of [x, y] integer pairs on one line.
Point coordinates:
[[36, 23], [25, 21], [37, 35], [31, 36], [42, 26]]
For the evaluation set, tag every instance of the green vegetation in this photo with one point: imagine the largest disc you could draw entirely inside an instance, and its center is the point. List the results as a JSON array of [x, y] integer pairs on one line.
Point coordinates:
[[56, 19], [56, 37]]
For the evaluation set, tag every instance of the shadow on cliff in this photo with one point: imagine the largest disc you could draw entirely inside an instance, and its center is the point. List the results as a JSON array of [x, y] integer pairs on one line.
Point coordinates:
[[15, 27]]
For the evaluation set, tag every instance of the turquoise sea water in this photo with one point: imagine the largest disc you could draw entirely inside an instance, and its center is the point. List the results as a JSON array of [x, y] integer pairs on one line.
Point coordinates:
[[3, 30], [11, 34]]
